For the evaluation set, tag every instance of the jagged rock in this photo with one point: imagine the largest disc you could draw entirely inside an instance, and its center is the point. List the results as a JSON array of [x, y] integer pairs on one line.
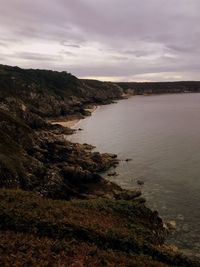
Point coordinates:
[[140, 182], [88, 147], [113, 156], [112, 174], [171, 225], [128, 195], [43, 161], [128, 160]]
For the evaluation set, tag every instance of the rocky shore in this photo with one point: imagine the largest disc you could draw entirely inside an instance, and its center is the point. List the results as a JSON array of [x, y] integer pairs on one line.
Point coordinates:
[[55, 208], [72, 121]]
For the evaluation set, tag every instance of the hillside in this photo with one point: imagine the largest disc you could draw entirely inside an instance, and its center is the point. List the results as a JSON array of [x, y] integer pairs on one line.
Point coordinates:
[[34, 154], [141, 88], [55, 208], [40, 232], [51, 93]]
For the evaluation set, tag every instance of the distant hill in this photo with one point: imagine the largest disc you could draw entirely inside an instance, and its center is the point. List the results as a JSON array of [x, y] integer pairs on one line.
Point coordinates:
[[52, 93], [140, 88]]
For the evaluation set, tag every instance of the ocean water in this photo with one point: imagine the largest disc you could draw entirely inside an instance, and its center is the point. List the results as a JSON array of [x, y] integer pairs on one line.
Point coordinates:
[[161, 134]]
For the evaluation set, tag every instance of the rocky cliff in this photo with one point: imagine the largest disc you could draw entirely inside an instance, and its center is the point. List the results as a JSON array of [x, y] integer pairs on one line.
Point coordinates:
[[34, 154], [51, 93], [106, 226]]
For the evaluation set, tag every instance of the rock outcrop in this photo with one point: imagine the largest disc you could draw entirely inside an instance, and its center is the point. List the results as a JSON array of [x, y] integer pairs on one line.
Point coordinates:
[[43, 161]]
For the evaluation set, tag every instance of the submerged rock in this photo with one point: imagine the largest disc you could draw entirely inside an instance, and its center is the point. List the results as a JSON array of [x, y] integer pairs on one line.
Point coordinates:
[[127, 160], [139, 182]]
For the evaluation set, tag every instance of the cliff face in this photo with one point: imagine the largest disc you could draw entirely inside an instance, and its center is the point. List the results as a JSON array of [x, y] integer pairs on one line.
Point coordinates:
[[51, 93]]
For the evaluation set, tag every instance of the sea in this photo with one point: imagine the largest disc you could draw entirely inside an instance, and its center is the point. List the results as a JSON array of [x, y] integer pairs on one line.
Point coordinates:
[[161, 136]]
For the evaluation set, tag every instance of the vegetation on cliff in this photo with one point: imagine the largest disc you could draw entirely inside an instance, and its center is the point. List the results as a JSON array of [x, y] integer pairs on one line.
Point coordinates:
[[101, 224], [51, 93], [140, 88], [40, 232]]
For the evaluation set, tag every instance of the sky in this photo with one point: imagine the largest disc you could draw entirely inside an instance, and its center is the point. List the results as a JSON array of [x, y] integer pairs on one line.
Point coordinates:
[[115, 40]]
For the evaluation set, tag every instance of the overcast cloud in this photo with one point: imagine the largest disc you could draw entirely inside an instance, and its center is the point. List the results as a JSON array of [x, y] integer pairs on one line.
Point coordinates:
[[132, 40]]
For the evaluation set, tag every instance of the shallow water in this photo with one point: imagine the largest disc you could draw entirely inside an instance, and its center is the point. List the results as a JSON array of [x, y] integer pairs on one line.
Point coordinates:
[[162, 136]]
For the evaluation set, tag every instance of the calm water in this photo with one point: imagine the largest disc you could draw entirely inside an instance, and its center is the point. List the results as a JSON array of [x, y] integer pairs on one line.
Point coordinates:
[[162, 136]]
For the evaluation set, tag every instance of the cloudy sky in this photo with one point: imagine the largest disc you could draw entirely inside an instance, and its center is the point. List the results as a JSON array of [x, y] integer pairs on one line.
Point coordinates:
[[123, 40]]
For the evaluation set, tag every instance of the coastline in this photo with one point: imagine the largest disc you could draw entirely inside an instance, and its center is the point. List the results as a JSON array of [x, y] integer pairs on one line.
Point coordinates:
[[101, 219], [72, 214], [168, 224], [74, 120]]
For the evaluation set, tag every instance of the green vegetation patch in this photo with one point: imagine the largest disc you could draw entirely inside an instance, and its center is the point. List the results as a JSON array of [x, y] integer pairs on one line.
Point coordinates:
[[92, 233]]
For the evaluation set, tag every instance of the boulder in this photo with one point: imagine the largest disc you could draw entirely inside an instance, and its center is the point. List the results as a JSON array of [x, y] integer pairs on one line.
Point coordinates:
[[139, 182]]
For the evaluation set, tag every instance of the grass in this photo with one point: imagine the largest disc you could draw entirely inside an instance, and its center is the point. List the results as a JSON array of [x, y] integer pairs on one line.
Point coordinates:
[[30, 250], [35, 231]]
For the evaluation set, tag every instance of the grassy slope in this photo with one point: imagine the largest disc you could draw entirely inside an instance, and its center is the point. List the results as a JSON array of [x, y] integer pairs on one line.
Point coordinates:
[[40, 232]]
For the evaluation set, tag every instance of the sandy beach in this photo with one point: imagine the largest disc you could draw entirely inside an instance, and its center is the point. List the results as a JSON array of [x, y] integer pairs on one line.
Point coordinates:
[[67, 123], [71, 123]]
